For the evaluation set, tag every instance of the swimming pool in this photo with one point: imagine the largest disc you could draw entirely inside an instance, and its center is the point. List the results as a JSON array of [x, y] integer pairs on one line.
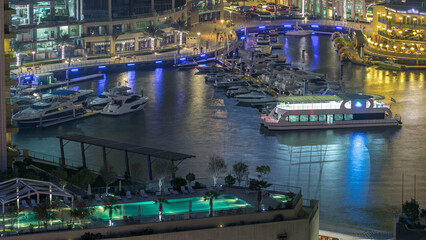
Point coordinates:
[[175, 206]]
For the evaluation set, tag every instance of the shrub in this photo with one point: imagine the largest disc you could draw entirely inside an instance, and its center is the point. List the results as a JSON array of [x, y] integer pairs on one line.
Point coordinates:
[[411, 210], [198, 185], [190, 177], [230, 180], [177, 183]]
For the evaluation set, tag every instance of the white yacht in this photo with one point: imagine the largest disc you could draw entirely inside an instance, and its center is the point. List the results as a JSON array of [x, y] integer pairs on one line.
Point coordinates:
[[298, 31], [48, 111], [263, 40], [103, 99], [329, 111], [124, 103]]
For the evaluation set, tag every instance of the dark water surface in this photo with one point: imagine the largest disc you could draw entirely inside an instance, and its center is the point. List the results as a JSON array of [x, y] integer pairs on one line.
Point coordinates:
[[355, 173]]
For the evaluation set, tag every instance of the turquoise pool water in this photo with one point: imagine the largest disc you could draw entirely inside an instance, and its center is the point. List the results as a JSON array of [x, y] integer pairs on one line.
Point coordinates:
[[281, 198], [175, 206]]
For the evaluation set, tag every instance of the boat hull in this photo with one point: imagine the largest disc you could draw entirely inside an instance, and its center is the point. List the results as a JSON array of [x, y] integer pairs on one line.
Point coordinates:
[[352, 124], [37, 122], [134, 108]]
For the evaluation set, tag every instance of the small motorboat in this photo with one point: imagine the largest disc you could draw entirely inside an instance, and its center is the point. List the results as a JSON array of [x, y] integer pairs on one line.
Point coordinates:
[[124, 103], [298, 31]]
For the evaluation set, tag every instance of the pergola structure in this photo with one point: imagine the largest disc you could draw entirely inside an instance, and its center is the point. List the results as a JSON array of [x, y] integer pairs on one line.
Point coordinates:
[[16, 189], [125, 147]]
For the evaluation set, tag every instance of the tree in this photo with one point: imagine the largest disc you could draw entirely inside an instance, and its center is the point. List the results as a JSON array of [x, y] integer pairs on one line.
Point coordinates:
[[162, 169], [177, 183], [259, 184], [411, 210], [262, 171], [217, 166], [108, 175], [180, 27], [64, 41], [114, 36], [160, 201], [12, 214], [230, 180], [190, 177], [44, 212], [240, 170], [153, 32], [110, 204], [81, 211], [59, 176], [211, 195], [423, 214], [83, 178], [19, 48]]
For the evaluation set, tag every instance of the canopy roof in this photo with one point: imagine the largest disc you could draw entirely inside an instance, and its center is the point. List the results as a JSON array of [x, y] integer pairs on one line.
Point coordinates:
[[18, 188], [328, 98], [131, 148]]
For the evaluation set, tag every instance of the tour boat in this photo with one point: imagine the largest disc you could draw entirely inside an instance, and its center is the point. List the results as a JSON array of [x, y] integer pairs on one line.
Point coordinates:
[[329, 111], [298, 31], [48, 111], [124, 103]]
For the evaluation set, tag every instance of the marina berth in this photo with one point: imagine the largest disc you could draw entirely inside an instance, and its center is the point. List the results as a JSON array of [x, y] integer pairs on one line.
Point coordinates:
[[329, 111]]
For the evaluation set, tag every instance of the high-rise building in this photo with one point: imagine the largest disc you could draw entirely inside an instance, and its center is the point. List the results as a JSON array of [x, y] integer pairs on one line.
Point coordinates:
[[6, 82]]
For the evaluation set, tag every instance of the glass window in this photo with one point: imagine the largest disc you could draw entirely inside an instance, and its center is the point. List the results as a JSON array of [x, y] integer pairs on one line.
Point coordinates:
[[338, 117], [304, 118], [322, 117], [294, 118], [313, 118], [349, 116]]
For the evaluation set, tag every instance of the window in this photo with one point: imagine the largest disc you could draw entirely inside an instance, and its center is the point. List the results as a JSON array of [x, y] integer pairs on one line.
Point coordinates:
[[322, 117], [304, 118], [349, 116], [313, 118], [338, 117], [294, 118]]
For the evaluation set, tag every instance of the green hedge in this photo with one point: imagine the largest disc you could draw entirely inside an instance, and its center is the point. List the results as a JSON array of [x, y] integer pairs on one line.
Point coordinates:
[[100, 57]]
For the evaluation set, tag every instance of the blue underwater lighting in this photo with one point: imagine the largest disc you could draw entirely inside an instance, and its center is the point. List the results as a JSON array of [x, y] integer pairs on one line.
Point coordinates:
[[358, 104], [242, 37]]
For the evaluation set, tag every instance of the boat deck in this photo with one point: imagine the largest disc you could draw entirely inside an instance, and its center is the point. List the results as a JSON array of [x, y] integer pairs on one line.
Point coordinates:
[[89, 113]]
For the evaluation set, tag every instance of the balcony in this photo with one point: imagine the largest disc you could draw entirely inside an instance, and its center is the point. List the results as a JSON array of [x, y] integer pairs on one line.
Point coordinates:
[[392, 23], [419, 38]]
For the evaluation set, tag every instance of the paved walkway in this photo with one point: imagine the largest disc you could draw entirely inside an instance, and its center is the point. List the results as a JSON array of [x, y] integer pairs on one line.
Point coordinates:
[[346, 232]]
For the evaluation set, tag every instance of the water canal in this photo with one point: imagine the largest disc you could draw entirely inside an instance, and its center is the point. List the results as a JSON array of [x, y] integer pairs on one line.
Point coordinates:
[[355, 173]]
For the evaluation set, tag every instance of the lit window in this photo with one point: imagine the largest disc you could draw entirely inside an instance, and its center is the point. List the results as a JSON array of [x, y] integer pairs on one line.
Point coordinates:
[[294, 118], [304, 118], [338, 117], [313, 118], [349, 117], [322, 118]]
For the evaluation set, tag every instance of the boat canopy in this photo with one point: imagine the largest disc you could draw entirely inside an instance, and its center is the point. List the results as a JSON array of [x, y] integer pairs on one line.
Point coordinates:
[[63, 92], [327, 98]]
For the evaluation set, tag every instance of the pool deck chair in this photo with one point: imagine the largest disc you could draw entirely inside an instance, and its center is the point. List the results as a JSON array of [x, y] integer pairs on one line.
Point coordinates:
[[184, 191], [128, 195], [33, 203], [190, 189], [143, 193], [158, 193], [166, 191], [97, 198], [117, 197], [219, 188], [25, 204], [173, 191]]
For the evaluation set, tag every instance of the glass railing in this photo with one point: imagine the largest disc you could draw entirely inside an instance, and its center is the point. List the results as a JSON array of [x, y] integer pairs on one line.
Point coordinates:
[[418, 37], [401, 24]]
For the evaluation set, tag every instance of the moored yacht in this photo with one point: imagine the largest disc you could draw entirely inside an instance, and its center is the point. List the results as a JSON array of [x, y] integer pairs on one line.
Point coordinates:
[[298, 31], [329, 111], [48, 111], [124, 103], [75, 95], [103, 99]]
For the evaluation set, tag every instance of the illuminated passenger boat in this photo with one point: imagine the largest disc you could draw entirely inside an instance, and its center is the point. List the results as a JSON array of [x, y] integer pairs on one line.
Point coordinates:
[[329, 111]]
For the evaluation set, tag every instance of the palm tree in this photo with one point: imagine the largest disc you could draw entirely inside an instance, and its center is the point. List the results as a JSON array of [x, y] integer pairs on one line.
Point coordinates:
[[110, 204], [180, 27], [160, 201], [153, 32], [259, 185], [63, 41], [19, 48], [44, 212], [81, 211], [211, 195]]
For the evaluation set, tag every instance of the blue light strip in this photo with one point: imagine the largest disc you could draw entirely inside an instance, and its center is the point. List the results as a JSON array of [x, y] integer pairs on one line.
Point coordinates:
[[158, 62], [101, 67], [314, 26], [131, 64], [203, 55], [287, 26], [339, 28], [261, 27], [74, 70], [182, 59]]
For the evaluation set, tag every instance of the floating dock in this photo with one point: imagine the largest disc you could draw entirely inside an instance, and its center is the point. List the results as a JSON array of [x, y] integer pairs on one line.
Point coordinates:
[[72, 81], [89, 113]]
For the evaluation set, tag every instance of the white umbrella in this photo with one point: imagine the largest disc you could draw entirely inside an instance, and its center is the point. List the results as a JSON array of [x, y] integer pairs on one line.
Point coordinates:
[[89, 190], [119, 186]]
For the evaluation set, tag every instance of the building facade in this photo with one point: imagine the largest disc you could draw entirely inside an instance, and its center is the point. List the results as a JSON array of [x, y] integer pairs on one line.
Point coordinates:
[[6, 128], [399, 28]]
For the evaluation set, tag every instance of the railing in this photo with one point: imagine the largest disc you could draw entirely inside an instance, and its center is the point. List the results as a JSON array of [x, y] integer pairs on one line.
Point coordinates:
[[398, 24], [419, 38]]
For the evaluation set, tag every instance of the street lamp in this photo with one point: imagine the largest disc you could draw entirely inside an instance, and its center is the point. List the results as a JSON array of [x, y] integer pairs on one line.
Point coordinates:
[[199, 39], [33, 52]]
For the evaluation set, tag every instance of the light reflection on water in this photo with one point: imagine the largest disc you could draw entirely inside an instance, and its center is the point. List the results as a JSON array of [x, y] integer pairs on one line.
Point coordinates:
[[356, 173]]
